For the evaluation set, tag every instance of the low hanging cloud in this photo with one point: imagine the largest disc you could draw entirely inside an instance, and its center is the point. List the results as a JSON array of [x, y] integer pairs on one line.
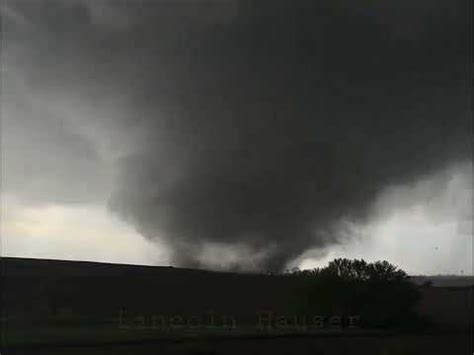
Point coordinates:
[[258, 128]]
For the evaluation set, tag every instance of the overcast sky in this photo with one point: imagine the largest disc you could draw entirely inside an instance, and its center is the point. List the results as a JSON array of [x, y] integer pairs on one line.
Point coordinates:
[[237, 135]]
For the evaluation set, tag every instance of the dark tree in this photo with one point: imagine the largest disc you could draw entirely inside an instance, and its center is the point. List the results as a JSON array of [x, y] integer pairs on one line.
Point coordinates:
[[379, 292]]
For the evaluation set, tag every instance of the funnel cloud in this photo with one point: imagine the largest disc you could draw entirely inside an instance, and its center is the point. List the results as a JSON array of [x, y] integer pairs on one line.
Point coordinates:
[[255, 130]]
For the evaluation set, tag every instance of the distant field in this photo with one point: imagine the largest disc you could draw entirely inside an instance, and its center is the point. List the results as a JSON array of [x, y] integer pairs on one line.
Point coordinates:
[[444, 280]]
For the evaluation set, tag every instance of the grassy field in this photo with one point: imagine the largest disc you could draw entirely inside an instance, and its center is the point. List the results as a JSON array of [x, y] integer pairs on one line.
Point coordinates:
[[54, 307], [284, 345]]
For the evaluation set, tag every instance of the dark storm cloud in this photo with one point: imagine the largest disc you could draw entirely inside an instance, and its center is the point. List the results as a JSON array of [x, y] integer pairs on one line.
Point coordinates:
[[264, 124]]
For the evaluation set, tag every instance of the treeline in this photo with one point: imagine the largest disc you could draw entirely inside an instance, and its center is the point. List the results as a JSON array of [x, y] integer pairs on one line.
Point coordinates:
[[379, 292]]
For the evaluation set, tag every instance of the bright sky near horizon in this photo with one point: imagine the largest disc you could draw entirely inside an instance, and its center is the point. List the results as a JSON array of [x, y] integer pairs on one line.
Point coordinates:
[[417, 238]]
